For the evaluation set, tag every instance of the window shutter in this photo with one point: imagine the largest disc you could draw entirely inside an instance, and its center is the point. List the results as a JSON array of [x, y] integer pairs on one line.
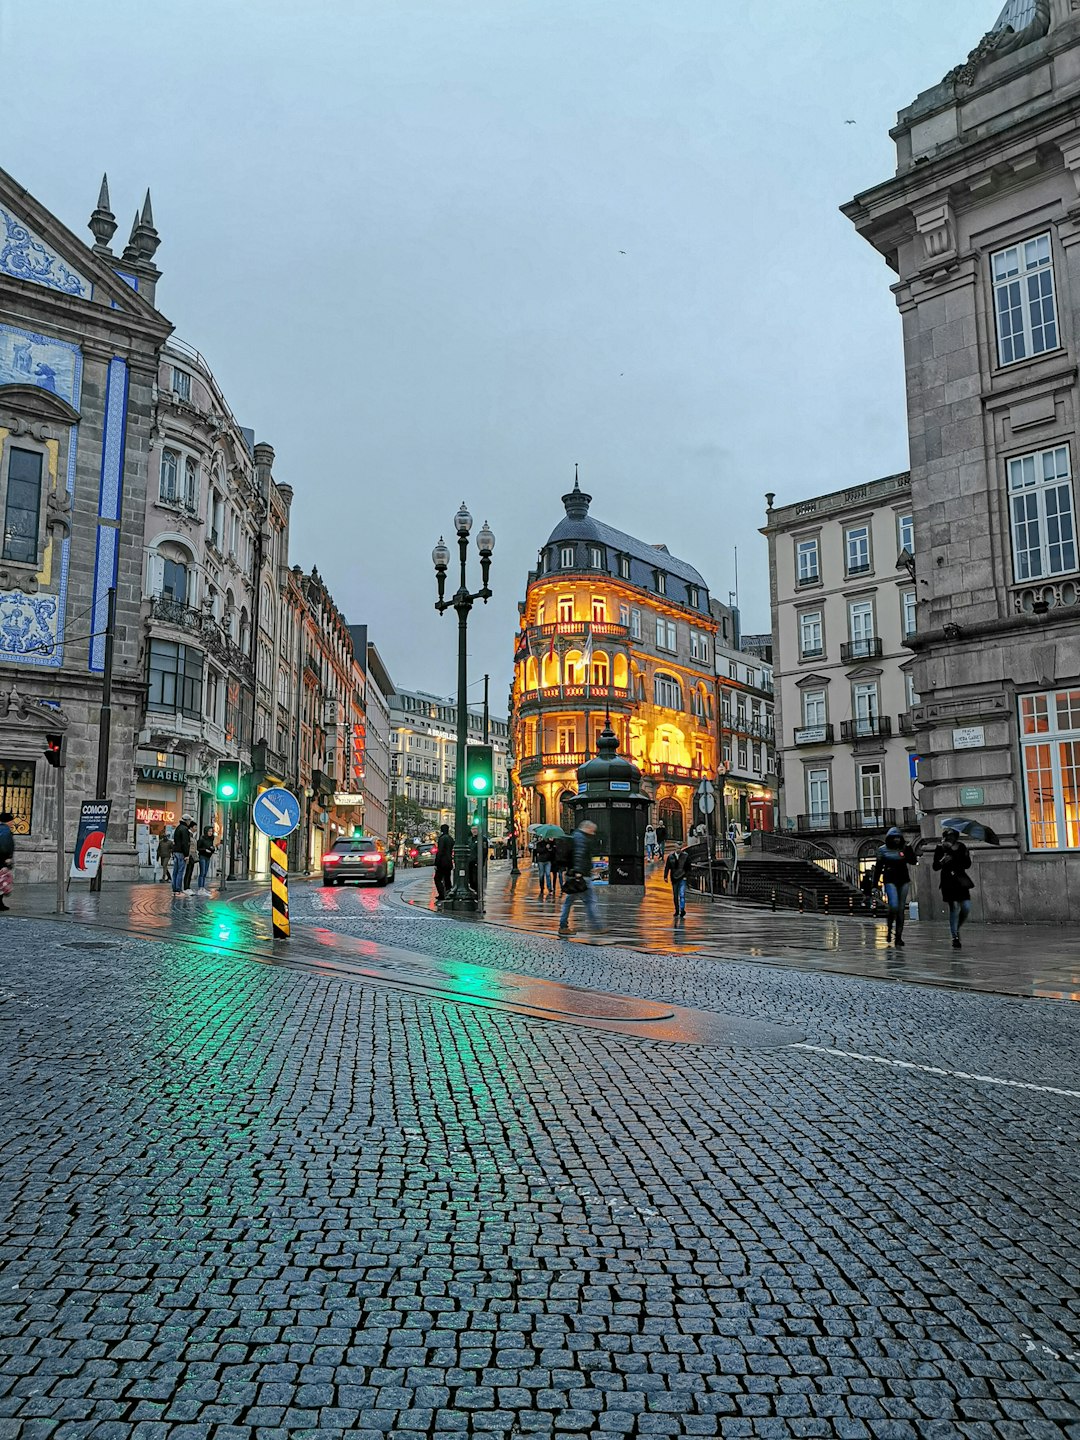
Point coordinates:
[[155, 577]]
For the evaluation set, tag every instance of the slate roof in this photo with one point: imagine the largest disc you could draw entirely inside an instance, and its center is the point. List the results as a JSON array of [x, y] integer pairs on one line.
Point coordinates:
[[579, 525]]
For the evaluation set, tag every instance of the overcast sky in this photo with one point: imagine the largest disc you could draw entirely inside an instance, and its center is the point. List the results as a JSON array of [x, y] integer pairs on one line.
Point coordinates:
[[444, 250]]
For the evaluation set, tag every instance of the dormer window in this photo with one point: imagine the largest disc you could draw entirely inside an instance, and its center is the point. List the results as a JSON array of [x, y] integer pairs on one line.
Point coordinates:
[[693, 597], [596, 557], [624, 567], [660, 582], [566, 557]]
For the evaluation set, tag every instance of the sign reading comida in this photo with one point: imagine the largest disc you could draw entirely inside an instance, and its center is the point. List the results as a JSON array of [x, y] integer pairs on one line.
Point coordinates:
[[90, 839]]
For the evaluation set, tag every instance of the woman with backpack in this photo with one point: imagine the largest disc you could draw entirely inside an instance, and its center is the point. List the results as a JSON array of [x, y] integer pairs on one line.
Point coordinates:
[[952, 860]]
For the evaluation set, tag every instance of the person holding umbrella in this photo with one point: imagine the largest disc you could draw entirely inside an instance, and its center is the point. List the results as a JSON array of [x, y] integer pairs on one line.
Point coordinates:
[[951, 860]]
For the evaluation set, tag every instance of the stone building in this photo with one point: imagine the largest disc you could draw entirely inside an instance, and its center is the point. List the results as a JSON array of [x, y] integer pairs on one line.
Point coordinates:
[[80, 340], [981, 225], [844, 611], [375, 777], [613, 626], [423, 757], [746, 737], [202, 535]]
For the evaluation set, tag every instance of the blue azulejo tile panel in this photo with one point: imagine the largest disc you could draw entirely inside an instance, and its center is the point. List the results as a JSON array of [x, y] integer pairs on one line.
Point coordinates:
[[30, 628], [104, 578], [27, 358], [24, 255], [112, 444]]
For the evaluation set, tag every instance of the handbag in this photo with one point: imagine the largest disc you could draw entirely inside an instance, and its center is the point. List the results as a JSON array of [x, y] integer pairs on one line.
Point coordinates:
[[964, 881], [5, 880], [575, 884]]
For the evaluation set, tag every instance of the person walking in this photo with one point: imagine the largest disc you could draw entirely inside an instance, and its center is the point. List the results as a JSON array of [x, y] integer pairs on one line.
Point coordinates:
[[677, 869], [650, 842], [952, 860], [164, 855], [543, 855], [892, 867], [661, 838], [562, 857], [181, 842], [577, 884], [474, 860], [444, 863], [7, 856], [205, 848], [868, 886]]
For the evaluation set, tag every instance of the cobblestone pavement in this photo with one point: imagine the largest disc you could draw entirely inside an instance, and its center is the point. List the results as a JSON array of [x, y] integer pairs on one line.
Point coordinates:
[[244, 1200]]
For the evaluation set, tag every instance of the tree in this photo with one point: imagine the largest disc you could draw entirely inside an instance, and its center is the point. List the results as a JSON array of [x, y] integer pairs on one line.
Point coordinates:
[[409, 818]]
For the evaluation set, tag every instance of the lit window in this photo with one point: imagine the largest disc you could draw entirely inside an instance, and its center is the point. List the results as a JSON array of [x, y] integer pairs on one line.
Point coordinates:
[[566, 609], [857, 549], [1041, 510], [807, 569], [1023, 278], [1050, 744], [599, 610], [667, 692], [810, 634]]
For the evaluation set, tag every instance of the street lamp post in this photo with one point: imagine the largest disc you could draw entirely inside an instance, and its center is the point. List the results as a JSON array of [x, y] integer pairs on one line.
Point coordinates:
[[461, 897]]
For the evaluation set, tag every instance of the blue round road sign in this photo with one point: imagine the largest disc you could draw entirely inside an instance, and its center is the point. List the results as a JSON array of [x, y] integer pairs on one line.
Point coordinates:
[[276, 812]]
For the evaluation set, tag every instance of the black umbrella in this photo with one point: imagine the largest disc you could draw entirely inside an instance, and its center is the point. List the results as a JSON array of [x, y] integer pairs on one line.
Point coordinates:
[[972, 829]]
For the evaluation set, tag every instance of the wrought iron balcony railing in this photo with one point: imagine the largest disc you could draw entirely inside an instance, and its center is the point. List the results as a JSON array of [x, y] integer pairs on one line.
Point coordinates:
[[852, 651], [866, 727]]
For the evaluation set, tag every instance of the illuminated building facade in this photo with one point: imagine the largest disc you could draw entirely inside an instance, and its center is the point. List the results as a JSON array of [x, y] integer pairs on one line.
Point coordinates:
[[612, 625]]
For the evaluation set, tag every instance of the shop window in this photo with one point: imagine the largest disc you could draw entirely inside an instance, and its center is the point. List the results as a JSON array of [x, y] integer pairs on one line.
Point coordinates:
[[1050, 746], [17, 793]]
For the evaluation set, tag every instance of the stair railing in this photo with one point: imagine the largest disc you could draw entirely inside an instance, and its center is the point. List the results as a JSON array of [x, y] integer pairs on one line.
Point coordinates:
[[770, 842]]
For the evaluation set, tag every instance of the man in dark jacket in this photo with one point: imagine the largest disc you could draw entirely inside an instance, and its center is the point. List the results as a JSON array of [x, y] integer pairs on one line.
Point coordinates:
[[181, 839], [444, 863], [661, 838], [677, 869], [578, 884]]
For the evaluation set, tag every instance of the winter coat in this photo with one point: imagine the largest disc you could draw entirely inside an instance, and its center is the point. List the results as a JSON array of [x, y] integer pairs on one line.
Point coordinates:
[[952, 865], [205, 846], [892, 865], [181, 839], [444, 852], [583, 853], [678, 866], [164, 849]]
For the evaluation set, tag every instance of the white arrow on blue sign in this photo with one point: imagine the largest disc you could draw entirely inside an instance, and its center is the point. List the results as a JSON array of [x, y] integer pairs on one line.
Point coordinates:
[[276, 812]]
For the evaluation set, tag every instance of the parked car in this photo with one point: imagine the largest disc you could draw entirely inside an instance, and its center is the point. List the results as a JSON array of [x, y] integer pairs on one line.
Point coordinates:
[[358, 858]]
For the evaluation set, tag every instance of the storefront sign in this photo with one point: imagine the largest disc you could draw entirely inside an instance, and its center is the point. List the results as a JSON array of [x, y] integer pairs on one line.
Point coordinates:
[[90, 839], [161, 776], [972, 795], [968, 737], [155, 815], [341, 798]]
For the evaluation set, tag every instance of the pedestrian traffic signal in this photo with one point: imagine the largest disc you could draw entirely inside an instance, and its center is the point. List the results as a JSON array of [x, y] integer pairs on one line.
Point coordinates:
[[228, 781], [479, 770], [54, 750]]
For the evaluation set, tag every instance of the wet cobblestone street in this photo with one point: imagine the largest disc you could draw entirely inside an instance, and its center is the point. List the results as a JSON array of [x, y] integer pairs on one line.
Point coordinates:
[[248, 1200]]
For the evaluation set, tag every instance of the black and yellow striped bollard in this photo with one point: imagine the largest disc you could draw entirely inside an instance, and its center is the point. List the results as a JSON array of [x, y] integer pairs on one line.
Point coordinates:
[[279, 889]]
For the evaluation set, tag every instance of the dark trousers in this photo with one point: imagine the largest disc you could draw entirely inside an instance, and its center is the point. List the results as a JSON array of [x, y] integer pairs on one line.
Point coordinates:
[[474, 876], [443, 876], [189, 871]]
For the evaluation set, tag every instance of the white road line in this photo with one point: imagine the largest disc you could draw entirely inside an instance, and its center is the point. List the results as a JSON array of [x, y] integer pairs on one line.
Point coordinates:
[[935, 1070]]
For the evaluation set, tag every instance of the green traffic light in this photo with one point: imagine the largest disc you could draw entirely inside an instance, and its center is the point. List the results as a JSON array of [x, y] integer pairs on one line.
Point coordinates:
[[227, 790], [479, 783]]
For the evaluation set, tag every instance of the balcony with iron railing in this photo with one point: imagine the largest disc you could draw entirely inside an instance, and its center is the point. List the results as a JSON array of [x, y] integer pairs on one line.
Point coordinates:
[[817, 820], [201, 627], [869, 820], [540, 636], [557, 695], [813, 735], [531, 765], [866, 727], [853, 651]]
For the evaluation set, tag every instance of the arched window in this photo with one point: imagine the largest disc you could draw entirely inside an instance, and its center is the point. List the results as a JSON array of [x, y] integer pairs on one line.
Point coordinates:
[[667, 692], [671, 817], [191, 483], [174, 581], [245, 630], [600, 672], [566, 810], [169, 477]]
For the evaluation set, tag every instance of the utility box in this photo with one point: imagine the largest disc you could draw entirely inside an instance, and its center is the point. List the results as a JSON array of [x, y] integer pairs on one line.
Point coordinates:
[[609, 794]]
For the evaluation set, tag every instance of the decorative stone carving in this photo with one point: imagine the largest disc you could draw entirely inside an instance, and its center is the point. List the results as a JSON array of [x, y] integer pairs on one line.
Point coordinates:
[[15, 706], [934, 222], [1033, 21], [58, 512]]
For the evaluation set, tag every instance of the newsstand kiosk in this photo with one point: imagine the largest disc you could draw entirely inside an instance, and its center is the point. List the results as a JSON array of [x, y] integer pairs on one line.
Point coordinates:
[[609, 793]]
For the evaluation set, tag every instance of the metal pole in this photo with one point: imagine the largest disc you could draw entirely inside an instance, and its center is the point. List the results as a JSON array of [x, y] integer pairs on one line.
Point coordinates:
[[60, 825], [460, 897], [105, 718]]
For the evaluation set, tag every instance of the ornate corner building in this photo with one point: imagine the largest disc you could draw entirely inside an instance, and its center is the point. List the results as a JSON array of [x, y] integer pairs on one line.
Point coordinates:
[[612, 626], [981, 225]]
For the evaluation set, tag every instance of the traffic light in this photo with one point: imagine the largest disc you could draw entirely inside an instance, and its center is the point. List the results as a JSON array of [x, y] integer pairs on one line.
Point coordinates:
[[479, 771], [228, 781], [54, 750]]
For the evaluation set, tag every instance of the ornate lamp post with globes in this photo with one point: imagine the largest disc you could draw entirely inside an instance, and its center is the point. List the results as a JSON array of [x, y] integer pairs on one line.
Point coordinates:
[[460, 896]]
